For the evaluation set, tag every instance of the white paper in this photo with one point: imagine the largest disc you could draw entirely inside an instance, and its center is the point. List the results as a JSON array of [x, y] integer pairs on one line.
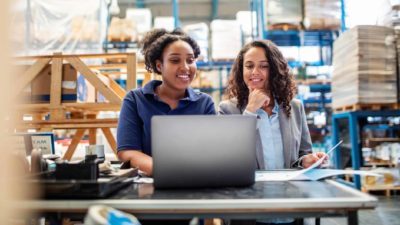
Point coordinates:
[[311, 173], [315, 174]]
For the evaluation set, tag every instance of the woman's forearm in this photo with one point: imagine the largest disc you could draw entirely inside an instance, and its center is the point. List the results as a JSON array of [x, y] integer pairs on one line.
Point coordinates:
[[137, 159]]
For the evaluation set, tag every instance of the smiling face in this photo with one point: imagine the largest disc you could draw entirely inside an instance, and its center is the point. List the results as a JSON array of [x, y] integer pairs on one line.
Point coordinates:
[[255, 68], [178, 65]]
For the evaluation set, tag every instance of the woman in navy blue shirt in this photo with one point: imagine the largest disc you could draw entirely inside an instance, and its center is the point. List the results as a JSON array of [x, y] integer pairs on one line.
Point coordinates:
[[173, 56]]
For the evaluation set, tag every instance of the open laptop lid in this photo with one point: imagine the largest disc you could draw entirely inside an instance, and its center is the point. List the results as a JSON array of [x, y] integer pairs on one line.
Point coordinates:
[[203, 151]]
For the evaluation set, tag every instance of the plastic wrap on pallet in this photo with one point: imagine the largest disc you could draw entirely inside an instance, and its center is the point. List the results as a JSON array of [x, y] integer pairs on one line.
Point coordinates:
[[142, 17], [364, 62], [288, 12], [397, 41], [122, 30], [248, 24], [62, 26], [322, 14], [226, 39], [386, 15], [199, 32], [166, 22]]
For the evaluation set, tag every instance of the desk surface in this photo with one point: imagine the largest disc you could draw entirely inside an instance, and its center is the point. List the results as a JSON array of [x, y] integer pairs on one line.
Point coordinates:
[[262, 197]]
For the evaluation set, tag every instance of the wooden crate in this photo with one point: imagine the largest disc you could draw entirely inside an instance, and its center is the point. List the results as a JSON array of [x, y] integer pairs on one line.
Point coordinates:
[[84, 114]]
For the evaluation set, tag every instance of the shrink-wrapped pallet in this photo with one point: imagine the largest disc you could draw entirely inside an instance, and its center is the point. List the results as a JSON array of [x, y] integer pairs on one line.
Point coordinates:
[[226, 39], [199, 32], [322, 14], [283, 12]]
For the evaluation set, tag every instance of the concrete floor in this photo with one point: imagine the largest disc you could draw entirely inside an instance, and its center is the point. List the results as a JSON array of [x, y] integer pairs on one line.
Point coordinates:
[[387, 213]]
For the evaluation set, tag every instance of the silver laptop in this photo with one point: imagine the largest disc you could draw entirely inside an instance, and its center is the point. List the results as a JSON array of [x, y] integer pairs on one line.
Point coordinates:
[[203, 151]]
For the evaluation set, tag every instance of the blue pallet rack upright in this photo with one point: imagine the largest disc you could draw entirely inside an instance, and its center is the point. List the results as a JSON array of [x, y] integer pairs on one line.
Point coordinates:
[[353, 118]]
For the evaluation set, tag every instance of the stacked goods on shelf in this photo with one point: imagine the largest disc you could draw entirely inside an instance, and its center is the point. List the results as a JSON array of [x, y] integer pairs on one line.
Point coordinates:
[[322, 14], [122, 30], [387, 13], [364, 67], [199, 32], [60, 27], [85, 30], [390, 177], [397, 40], [381, 151], [284, 14], [142, 18], [249, 28], [226, 39]]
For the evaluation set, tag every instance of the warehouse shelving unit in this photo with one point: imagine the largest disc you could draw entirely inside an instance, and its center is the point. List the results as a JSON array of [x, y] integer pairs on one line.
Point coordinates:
[[354, 118]]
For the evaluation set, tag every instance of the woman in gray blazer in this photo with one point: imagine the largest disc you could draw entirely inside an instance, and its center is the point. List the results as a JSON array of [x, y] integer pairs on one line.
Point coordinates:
[[261, 85]]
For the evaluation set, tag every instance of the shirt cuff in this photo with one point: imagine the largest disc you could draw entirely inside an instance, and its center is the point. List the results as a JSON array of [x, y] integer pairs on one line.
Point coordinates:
[[300, 162], [248, 113]]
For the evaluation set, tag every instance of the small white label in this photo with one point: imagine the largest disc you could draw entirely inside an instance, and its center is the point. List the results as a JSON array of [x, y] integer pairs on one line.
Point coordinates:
[[43, 142]]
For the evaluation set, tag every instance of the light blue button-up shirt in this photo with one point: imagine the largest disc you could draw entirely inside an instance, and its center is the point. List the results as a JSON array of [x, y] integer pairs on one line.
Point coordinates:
[[271, 138], [272, 145]]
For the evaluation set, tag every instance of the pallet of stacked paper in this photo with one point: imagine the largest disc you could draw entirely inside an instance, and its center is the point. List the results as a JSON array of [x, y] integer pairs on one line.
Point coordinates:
[[226, 39], [364, 67], [289, 12], [322, 14], [199, 32]]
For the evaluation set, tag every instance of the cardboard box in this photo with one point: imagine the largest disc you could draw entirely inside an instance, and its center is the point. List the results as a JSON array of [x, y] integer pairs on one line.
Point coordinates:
[[40, 86], [88, 93]]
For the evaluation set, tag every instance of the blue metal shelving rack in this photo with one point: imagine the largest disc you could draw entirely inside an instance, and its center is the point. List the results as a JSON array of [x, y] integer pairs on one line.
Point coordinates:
[[321, 38], [353, 123]]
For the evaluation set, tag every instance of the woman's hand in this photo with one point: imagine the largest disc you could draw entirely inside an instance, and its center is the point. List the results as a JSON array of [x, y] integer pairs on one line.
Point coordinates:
[[310, 159], [257, 99]]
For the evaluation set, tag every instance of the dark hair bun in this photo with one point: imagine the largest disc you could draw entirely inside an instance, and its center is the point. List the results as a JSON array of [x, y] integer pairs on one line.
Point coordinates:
[[151, 37], [178, 31]]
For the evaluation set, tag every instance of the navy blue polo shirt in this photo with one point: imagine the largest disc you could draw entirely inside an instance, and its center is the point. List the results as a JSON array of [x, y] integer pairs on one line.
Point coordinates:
[[140, 105]]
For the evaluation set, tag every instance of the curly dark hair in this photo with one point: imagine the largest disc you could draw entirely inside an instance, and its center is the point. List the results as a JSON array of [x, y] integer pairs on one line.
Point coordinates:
[[280, 82], [156, 40]]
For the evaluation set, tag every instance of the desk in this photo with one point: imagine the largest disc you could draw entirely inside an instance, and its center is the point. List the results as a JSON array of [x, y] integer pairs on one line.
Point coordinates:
[[298, 199]]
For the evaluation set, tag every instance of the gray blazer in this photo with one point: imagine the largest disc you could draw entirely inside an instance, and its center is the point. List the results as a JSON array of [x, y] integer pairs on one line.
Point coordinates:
[[294, 130]]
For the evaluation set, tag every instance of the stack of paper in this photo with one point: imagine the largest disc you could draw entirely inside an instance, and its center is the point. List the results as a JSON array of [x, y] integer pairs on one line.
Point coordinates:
[[364, 67]]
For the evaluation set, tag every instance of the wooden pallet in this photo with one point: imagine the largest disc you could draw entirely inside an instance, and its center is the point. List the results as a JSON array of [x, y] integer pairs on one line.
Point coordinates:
[[285, 26], [313, 81], [375, 106], [387, 188]]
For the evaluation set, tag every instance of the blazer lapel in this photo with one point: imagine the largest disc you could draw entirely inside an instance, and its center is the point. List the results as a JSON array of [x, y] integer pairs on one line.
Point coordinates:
[[286, 133]]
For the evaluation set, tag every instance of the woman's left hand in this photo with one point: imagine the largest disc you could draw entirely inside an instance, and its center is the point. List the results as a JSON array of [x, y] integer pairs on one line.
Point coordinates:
[[310, 159]]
